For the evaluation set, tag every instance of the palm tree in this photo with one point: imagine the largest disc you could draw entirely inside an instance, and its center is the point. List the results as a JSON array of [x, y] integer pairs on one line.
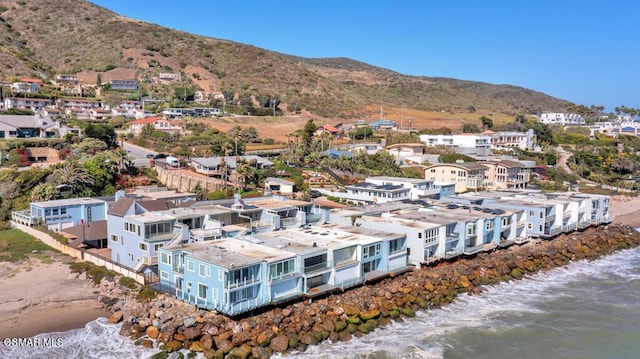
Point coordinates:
[[74, 176]]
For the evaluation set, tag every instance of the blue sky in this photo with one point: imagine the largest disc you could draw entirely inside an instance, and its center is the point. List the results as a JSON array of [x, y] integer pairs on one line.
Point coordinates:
[[582, 51]]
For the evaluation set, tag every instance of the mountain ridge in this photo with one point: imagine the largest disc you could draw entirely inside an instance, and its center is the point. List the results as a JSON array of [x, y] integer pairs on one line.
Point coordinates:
[[75, 36]]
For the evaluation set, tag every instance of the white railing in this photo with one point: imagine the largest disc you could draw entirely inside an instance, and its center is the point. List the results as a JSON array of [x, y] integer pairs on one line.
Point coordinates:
[[243, 283]]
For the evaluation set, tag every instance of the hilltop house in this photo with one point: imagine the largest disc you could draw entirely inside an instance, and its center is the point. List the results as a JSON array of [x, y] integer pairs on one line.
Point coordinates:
[[158, 123]]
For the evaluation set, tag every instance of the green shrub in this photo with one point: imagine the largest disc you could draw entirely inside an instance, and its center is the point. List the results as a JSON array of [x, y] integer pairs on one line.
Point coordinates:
[[128, 283], [147, 294]]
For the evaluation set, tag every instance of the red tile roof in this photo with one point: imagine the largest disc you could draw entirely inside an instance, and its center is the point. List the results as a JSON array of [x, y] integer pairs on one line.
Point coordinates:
[[145, 120], [330, 128], [30, 80]]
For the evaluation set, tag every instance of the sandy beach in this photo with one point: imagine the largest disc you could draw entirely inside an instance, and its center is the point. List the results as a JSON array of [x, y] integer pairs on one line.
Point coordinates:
[[40, 298], [626, 210]]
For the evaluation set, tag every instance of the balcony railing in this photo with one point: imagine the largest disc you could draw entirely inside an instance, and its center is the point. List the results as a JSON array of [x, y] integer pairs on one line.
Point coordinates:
[[453, 236], [178, 269], [317, 267], [584, 223], [289, 221], [243, 282], [552, 231], [570, 227], [23, 217]]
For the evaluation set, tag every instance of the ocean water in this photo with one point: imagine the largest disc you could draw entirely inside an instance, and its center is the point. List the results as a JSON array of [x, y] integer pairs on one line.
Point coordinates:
[[584, 310]]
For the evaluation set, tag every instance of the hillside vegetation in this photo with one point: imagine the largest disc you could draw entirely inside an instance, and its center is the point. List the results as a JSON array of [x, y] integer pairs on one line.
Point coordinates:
[[44, 37]]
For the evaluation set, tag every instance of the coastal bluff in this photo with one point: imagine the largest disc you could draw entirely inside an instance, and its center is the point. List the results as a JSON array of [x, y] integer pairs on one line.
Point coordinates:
[[170, 325]]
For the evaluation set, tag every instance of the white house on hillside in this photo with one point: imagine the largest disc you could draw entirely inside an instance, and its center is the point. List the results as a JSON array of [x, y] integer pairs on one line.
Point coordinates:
[[562, 119]]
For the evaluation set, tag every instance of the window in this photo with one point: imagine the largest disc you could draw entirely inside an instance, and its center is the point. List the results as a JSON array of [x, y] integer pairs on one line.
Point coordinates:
[[281, 269], [157, 228], [215, 294], [431, 235], [540, 228], [143, 246], [419, 235], [529, 225], [396, 246], [202, 291], [165, 258], [55, 212], [506, 221], [204, 271], [164, 275], [157, 246], [490, 225], [220, 275], [90, 215], [239, 275], [191, 266], [63, 211], [371, 251], [114, 238], [541, 215], [243, 294], [129, 227], [471, 229], [531, 213]]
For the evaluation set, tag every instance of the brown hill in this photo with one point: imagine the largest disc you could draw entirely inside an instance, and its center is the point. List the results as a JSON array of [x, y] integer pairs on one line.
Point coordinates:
[[44, 37]]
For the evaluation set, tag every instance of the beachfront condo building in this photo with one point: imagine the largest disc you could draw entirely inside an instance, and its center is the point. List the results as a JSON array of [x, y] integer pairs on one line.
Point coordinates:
[[235, 275]]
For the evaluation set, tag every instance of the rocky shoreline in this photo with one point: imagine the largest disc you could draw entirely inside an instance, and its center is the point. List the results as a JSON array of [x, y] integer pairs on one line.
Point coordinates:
[[170, 325]]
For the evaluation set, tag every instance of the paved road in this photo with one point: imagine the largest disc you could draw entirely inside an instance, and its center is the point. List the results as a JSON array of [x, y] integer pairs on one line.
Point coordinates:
[[138, 154]]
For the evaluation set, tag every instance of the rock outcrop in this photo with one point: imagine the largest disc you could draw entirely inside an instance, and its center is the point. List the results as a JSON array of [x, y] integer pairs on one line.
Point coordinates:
[[173, 325]]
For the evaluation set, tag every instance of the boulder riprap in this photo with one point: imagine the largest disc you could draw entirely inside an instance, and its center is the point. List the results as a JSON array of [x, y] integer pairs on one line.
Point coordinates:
[[173, 325]]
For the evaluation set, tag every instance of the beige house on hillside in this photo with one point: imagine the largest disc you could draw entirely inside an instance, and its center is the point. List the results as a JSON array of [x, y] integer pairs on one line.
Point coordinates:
[[505, 174], [467, 176]]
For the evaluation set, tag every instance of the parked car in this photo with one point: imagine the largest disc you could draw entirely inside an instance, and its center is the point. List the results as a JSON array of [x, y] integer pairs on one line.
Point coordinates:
[[150, 155], [315, 193], [161, 155]]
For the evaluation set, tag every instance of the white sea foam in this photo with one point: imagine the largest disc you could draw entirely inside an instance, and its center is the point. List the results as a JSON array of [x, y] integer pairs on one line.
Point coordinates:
[[420, 337]]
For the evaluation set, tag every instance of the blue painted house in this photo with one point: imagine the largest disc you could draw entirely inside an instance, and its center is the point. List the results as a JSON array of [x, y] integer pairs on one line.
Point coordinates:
[[235, 275], [63, 213]]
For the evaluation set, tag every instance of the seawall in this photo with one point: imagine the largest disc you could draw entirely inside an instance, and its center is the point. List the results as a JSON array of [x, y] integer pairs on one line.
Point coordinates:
[[170, 325]]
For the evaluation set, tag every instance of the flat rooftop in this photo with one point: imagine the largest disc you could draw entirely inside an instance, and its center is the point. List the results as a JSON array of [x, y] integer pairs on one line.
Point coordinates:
[[68, 202], [217, 252]]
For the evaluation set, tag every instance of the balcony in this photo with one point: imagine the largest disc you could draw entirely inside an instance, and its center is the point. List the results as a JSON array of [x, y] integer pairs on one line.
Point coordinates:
[[521, 223], [550, 218], [570, 227], [317, 267], [552, 231], [473, 250], [584, 223], [288, 222], [453, 236], [452, 253], [23, 217], [201, 235], [243, 282], [178, 269]]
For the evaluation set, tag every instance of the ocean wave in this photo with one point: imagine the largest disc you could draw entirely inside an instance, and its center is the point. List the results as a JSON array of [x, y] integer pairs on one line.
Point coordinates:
[[424, 335], [421, 337], [97, 340]]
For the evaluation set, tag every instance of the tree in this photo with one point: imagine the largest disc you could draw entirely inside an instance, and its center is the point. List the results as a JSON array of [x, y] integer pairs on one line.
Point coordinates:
[[362, 132], [470, 128], [307, 136], [73, 176], [487, 123]]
